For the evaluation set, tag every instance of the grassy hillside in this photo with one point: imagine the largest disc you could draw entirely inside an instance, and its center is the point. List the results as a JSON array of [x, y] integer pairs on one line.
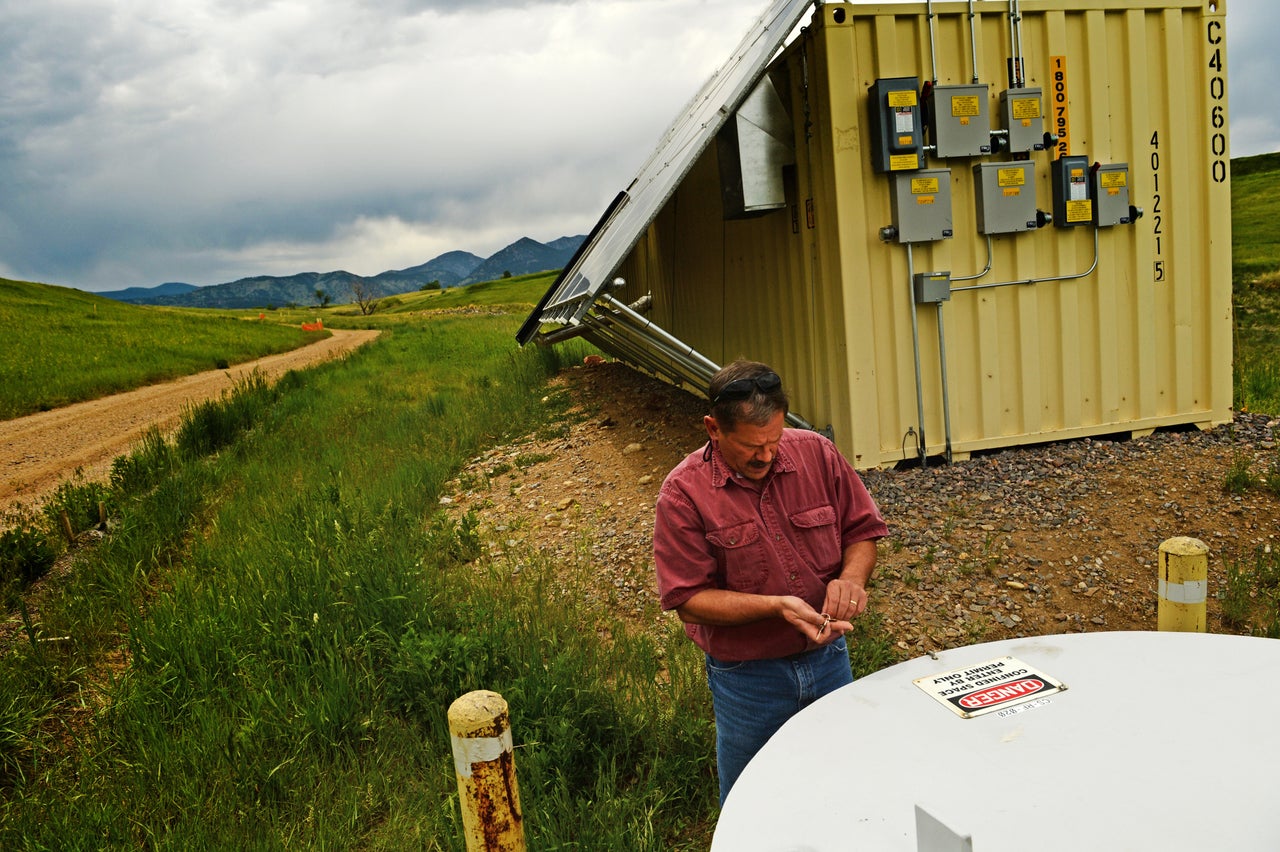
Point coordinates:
[[1255, 253], [521, 290], [63, 346]]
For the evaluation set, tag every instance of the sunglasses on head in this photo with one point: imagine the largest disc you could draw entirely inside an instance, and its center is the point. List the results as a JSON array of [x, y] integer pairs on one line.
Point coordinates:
[[743, 388]]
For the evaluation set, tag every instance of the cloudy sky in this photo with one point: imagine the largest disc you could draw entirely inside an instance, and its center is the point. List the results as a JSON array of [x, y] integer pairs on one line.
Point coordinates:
[[144, 141]]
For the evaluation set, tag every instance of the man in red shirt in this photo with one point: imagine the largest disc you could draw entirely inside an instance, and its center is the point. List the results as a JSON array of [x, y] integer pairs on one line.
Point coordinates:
[[764, 541]]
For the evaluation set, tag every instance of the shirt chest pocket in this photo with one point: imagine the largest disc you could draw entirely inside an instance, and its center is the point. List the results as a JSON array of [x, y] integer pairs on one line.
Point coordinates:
[[818, 538], [743, 556]]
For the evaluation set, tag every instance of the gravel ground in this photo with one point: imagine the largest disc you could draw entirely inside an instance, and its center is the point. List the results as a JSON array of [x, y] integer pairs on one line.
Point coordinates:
[[1030, 541]]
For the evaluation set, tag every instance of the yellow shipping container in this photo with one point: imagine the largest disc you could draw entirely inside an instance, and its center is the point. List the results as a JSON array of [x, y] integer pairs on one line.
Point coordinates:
[[926, 217]]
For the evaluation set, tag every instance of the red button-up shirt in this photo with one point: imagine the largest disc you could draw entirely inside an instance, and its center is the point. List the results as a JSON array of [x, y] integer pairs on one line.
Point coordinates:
[[713, 530]]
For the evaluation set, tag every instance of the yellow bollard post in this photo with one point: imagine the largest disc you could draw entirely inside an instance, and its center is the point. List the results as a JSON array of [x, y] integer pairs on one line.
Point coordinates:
[[480, 728], [1184, 585]]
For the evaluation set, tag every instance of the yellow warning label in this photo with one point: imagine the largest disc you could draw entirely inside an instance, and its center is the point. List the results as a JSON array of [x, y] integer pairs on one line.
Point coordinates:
[[902, 98], [966, 105], [924, 199], [1113, 180], [1025, 109], [1011, 177], [901, 162], [1012, 191], [924, 186], [904, 141], [1079, 211]]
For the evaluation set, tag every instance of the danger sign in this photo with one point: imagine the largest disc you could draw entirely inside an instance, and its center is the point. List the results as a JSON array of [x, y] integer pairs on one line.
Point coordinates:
[[994, 685]]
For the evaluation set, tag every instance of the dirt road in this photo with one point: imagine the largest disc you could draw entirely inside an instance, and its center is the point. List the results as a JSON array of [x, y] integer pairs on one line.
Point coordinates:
[[40, 451]]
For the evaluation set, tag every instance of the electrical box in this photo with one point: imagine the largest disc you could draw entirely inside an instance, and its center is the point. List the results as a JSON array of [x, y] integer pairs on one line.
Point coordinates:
[[1005, 195], [921, 204], [897, 138], [932, 287], [1023, 116], [957, 120], [1072, 196], [1111, 195]]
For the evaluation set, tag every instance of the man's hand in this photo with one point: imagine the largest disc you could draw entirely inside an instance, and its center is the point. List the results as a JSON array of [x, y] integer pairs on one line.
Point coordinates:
[[847, 594], [821, 628], [845, 599]]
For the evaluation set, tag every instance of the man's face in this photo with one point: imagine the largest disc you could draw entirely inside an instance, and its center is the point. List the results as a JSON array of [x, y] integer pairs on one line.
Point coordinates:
[[748, 449]]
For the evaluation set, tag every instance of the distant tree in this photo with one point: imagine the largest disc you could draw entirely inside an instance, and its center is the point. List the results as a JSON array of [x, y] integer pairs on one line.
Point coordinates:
[[322, 299], [506, 273], [365, 299], [434, 284]]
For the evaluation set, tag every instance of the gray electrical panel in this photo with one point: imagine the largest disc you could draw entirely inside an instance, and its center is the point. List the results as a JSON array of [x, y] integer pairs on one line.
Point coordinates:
[[932, 287], [921, 205], [1005, 195], [1023, 116], [1111, 195], [958, 121]]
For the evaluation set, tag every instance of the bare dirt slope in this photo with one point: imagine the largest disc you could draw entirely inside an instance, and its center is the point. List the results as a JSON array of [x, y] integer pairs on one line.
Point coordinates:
[[40, 451], [1031, 541]]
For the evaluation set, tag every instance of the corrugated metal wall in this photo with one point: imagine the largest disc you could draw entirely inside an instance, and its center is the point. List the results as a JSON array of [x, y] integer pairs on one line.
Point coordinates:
[[1142, 341]]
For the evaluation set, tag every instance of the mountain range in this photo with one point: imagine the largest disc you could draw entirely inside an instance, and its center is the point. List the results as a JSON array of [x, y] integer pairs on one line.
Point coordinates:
[[451, 269]]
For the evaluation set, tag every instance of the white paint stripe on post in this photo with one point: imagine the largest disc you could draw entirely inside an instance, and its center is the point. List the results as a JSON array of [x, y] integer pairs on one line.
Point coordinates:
[[469, 751], [1192, 592]]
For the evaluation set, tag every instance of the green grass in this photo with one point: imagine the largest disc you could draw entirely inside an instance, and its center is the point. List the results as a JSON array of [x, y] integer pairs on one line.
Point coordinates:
[[1255, 225], [1251, 595], [63, 346], [262, 652]]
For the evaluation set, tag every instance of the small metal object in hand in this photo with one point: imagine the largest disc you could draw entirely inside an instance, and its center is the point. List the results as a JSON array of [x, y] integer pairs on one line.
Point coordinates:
[[826, 619]]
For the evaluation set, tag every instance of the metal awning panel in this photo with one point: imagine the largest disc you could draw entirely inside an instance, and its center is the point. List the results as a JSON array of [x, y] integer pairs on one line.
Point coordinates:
[[632, 210]]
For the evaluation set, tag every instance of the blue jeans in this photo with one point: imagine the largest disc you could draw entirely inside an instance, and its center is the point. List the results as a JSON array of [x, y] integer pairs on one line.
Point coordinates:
[[752, 700]]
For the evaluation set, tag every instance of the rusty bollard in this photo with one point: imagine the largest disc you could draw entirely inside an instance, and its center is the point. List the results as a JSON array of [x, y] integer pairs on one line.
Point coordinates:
[[480, 727]]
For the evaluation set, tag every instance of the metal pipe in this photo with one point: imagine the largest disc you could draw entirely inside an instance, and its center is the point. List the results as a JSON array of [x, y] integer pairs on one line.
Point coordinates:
[[946, 401], [550, 338], [682, 353], [647, 326], [933, 53], [1013, 51], [1084, 274], [1017, 24], [1016, 77], [985, 269], [921, 446], [598, 329], [657, 360], [973, 42]]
